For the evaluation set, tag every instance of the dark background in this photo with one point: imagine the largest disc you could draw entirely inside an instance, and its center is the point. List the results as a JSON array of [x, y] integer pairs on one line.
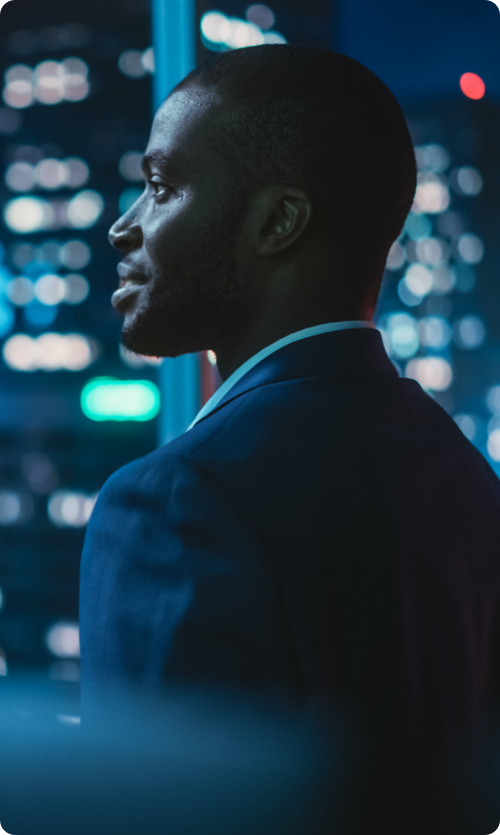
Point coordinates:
[[420, 49]]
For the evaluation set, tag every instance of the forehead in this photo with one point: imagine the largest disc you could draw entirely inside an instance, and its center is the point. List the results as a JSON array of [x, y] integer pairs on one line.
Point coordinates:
[[182, 125]]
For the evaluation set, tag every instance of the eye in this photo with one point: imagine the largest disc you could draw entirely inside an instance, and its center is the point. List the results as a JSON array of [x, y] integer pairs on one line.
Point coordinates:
[[160, 189]]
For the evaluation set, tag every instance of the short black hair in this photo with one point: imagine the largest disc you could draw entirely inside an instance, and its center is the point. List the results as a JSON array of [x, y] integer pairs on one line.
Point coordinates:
[[312, 117]]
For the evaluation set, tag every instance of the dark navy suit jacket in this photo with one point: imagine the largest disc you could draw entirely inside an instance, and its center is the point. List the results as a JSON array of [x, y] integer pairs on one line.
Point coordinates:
[[326, 533]]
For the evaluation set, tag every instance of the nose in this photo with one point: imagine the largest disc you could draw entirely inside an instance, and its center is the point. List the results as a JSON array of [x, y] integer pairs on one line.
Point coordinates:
[[126, 233]]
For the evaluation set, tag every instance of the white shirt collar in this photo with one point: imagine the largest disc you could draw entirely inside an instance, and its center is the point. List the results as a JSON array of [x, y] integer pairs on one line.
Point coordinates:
[[292, 337]]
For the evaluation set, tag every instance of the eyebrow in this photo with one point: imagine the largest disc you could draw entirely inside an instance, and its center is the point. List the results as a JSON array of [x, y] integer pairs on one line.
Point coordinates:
[[160, 159]]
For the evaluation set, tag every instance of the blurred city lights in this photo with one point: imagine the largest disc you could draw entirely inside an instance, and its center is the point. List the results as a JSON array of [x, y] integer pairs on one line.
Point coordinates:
[[432, 195], [130, 166], [75, 255], [40, 472], [76, 289], [417, 227], [50, 289], [106, 398], [469, 425], [443, 280], [418, 279], [469, 332], [396, 256], [10, 507], [434, 332], [49, 174], [28, 214], [471, 248], [466, 181], [85, 209], [493, 445], [71, 509], [221, 32], [25, 215], [49, 83], [431, 251], [136, 64], [407, 297], [50, 352], [262, 16], [432, 157], [472, 85], [63, 639], [433, 373], [493, 399], [15, 507], [403, 335]]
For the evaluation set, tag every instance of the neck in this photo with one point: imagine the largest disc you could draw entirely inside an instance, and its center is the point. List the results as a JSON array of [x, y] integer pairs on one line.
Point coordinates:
[[268, 329]]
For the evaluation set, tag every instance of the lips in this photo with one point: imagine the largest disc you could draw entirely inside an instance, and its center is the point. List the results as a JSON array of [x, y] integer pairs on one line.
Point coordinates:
[[130, 286]]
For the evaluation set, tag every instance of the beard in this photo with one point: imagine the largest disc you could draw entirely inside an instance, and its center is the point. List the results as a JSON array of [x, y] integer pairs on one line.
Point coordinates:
[[203, 300]]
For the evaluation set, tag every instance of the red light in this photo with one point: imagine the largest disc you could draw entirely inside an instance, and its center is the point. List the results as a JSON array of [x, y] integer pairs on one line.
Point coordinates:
[[472, 85]]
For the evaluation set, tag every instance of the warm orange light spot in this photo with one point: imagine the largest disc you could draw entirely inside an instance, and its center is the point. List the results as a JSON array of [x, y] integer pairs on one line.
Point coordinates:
[[472, 85]]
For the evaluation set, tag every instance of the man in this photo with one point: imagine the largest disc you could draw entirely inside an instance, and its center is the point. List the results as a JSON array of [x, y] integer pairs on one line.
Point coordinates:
[[323, 532]]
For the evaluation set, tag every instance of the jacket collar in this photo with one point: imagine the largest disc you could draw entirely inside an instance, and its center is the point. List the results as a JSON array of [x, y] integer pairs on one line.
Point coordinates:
[[358, 351]]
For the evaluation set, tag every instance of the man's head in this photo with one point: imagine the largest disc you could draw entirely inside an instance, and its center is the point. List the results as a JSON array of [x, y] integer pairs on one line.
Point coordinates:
[[277, 178]]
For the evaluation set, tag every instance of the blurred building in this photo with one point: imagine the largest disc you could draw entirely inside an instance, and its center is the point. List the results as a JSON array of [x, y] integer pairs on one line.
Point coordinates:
[[440, 306], [75, 115], [74, 121]]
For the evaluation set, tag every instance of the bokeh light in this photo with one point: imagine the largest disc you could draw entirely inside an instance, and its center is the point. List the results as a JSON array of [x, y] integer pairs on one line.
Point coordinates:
[[261, 15], [472, 85], [396, 257], [432, 157], [133, 63], [15, 508], [433, 373], [71, 509], [26, 215], [50, 82], [469, 332], [403, 335], [469, 425], [85, 209], [106, 398], [75, 255], [434, 332], [471, 248], [466, 181], [130, 166], [432, 195], [221, 32], [63, 639], [50, 352]]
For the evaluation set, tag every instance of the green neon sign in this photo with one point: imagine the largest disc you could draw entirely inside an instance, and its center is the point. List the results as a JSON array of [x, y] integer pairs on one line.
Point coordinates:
[[105, 398]]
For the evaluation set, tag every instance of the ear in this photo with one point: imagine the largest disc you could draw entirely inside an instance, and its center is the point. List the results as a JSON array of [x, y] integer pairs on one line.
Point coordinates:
[[282, 216]]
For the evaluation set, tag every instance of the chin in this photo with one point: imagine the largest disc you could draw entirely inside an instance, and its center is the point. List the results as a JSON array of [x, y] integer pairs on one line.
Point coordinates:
[[150, 344]]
